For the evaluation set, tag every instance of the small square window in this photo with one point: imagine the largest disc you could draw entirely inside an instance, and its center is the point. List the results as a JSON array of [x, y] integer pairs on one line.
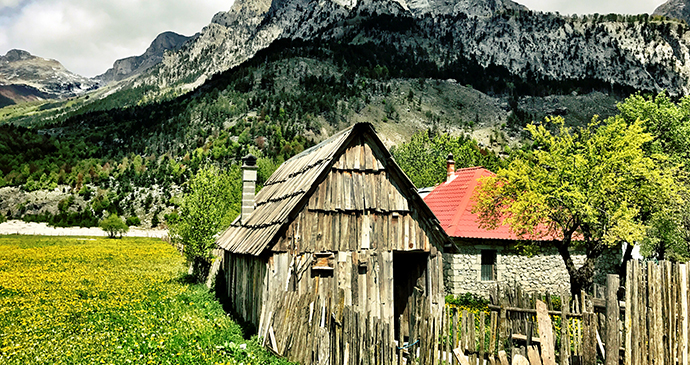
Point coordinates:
[[488, 265]]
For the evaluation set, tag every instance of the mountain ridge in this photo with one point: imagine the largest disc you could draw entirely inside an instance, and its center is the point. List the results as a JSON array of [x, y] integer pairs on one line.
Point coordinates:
[[630, 51], [25, 77]]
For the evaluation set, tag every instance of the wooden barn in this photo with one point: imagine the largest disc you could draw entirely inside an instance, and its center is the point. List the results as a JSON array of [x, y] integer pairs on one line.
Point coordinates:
[[338, 260]]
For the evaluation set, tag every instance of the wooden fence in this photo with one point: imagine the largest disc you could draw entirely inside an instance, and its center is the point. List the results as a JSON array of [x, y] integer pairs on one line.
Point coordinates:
[[649, 328]]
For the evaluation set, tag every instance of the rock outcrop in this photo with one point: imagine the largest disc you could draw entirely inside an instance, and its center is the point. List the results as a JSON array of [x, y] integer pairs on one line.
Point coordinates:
[[676, 9], [130, 66]]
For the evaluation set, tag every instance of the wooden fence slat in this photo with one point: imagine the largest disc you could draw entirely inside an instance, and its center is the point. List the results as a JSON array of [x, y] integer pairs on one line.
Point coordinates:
[[494, 334], [589, 339], [683, 302], [545, 334], [612, 315], [565, 337], [482, 337]]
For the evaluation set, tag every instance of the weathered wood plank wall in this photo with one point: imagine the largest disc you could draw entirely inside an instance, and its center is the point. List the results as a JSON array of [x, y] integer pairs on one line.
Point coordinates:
[[245, 280], [325, 292]]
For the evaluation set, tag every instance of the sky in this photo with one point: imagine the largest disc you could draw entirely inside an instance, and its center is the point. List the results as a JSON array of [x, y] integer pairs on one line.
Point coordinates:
[[87, 36]]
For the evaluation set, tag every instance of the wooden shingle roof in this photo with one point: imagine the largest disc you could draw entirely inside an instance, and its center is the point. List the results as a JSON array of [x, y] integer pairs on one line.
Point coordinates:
[[280, 195], [289, 188]]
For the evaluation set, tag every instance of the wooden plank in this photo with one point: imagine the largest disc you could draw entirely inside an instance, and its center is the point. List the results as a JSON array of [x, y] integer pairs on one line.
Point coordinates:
[[471, 340], [461, 358], [482, 337], [612, 318], [565, 337], [503, 357], [502, 324], [589, 339], [533, 355], [494, 333], [656, 342], [520, 360], [454, 338], [629, 312], [683, 302], [400, 339], [545, 334]]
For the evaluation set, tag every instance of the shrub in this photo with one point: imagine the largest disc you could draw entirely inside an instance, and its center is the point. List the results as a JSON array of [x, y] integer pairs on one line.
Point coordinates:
[[114, 226], [133, 221], [468, 300]]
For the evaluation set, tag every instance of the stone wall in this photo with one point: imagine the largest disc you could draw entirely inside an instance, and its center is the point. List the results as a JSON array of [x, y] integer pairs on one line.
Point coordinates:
[[542, 272]]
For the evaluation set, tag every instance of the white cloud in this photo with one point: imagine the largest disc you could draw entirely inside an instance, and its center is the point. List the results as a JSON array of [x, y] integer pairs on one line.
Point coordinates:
[[9, 3], [87, 36]]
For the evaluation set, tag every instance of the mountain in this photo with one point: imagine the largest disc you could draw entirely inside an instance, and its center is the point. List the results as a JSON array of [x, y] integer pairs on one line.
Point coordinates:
[[630, 52], [135, 65], [25, 77], [677, 9]]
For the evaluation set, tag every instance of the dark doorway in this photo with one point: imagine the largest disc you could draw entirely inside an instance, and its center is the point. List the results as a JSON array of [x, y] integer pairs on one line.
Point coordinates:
[[409, 283]]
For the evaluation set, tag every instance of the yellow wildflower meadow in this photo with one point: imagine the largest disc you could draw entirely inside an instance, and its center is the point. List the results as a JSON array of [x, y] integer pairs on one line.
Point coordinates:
[[97, 300]]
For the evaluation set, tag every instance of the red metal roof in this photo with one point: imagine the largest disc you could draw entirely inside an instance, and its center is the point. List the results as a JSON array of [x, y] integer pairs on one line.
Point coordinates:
[[451, 203]]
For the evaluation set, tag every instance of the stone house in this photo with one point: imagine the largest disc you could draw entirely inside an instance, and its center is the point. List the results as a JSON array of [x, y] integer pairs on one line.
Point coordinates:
[[486, 257]]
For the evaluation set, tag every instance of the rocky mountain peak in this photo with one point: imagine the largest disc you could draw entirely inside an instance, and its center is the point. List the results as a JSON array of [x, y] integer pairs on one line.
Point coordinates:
[[165, 41], [126, 67], [678, 9], [15, 55], [30, 77]]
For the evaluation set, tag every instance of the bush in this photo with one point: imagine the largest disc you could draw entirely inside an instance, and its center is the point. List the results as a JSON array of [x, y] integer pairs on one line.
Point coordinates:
[[468, 300], [3, 219], [133, 221], [114, 226]]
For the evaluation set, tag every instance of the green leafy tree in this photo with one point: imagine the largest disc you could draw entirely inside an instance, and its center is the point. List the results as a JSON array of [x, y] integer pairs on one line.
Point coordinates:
[[212, 203], [669, 234], [667, 121], [424, 158], [587, 189], [114, 226]]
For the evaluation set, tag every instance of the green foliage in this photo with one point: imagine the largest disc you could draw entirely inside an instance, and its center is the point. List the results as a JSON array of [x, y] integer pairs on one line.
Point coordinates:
[[3, 219], [213, 202], [591, 188], [133, 221], [468, 300], [424, 158], [114, 226], [668, 237], [667, 121]]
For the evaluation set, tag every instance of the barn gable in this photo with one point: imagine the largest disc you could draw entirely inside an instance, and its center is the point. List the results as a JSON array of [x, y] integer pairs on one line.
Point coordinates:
[[347, 193], [360, 205]]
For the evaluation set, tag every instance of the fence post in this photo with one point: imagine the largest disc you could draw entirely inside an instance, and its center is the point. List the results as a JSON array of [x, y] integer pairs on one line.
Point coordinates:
[[589, 332], [612, 317]]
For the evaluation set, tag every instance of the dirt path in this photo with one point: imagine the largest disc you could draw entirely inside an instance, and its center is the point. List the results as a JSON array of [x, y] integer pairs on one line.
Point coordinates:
[[42, 229]]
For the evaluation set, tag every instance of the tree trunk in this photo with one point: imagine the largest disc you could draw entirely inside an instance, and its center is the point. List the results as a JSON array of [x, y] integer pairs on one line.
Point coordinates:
[[580, 278], [627, 256]]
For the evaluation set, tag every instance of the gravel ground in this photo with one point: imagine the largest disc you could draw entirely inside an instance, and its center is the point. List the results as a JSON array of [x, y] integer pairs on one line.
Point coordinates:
[[42, 229]]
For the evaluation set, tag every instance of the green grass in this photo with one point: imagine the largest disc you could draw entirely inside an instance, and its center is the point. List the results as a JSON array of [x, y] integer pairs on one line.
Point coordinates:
[[68, 300]]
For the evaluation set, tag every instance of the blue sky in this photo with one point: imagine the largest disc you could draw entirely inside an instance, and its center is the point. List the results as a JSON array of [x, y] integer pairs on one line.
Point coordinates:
[[87, 36]]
